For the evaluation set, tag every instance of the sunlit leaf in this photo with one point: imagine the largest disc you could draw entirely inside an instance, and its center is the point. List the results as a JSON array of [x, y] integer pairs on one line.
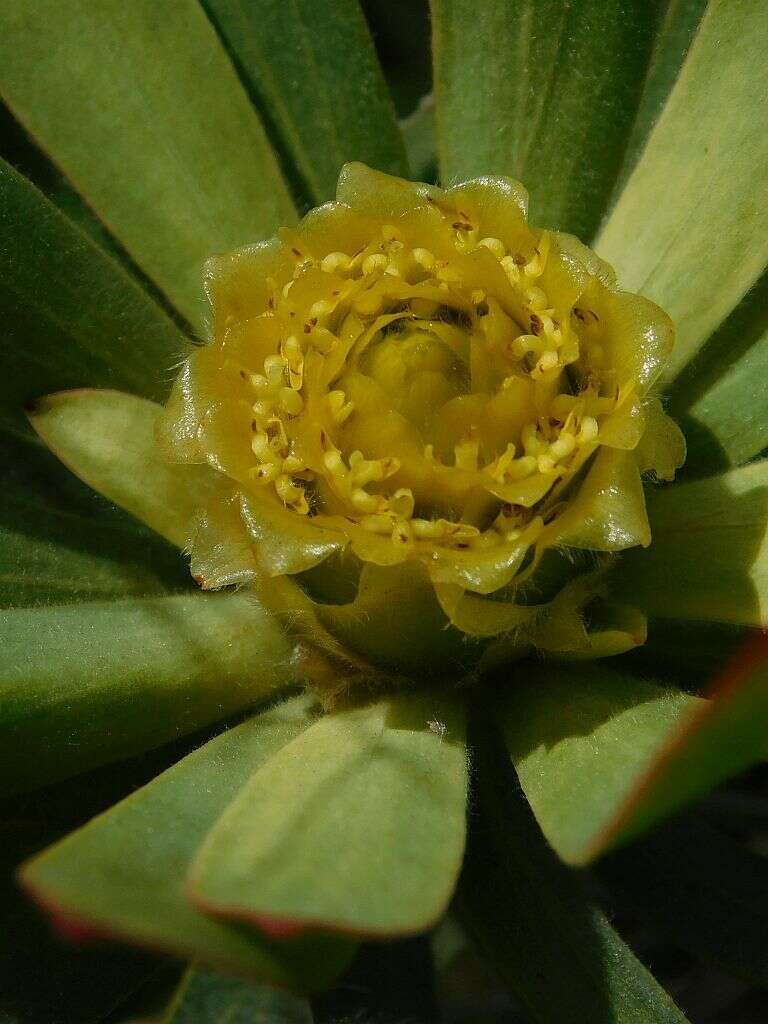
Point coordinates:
[[108, 439], [690, 230], [207, 998], [313, 68], [720, 398], [122, 875], [709, 556], [140, 106], [84, 684], [374, 798], [525, 89], [602, 756], [533, 922], [580, 737]]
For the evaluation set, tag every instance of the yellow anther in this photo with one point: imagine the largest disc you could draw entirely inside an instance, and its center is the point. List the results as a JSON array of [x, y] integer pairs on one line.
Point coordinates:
[[294, 356], [274, 368], [321, 308], [335, 261], [588, 430], [291, 495], [340, 409], [401, 532], [562, 447], [261, 447], [477, 296], [292, 465], [402, 503], [392, 269], [494, 245], [511, 269], [424, 258], [286, 289], [375, 263], [547, 361], [536, 298], [334, 463], [521, 468], [367, 503], [265, 473], [522, 345], [291, 401], [377, 523], [369, 303], [546, 464]]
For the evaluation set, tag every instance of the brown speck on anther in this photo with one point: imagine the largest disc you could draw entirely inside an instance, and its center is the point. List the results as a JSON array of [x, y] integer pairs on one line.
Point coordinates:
[[244, 375], [297, 252], [254, 426], [519, 260], [483, 309], [307, 328], [536, 324]]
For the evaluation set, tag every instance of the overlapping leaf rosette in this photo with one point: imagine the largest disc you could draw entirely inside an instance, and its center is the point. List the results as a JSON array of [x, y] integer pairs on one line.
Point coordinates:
[[430, 423]]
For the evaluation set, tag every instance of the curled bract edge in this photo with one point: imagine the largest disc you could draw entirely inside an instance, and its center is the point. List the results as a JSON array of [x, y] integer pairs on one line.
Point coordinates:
[[430, 423]]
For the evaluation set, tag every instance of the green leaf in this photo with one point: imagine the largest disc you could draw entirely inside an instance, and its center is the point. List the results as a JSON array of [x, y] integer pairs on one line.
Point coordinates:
[[580, 737], [313, 69], [702, 891], [374, 798], [420, 139], [82, 685], [690, 229], [107, 438], [60, 545], [122, 875], [525, 89], [602, 756], [207, 998], [140, 106], [709, 556], [721, 397], [532, 921], [677, 29], [71, 315]]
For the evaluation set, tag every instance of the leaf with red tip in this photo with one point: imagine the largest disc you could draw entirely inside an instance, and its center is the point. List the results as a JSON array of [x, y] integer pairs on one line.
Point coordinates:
[[602, 755], [357, 826], [122, 875]]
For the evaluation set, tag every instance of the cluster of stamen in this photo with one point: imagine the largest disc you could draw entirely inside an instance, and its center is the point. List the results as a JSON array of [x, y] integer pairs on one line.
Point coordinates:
[[370, 316]]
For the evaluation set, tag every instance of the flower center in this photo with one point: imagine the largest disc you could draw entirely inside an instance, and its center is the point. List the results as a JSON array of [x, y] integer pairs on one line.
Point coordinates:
[[444, 394]]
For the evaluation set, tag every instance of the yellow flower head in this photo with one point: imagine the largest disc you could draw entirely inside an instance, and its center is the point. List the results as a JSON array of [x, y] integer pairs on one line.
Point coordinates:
[[417, 398]]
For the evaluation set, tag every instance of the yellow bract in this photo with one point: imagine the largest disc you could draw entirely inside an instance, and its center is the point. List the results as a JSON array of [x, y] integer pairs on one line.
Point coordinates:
[[417, 376]]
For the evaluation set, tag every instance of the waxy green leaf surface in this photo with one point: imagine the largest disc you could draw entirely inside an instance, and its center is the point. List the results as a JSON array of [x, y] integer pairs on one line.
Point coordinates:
[[313, 68], [85, 684], [141, 108], [602, 756], [709, 556], [374, 798], [526, 89], [123, 874], [690, 229], [108, 439], [531, 919]]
